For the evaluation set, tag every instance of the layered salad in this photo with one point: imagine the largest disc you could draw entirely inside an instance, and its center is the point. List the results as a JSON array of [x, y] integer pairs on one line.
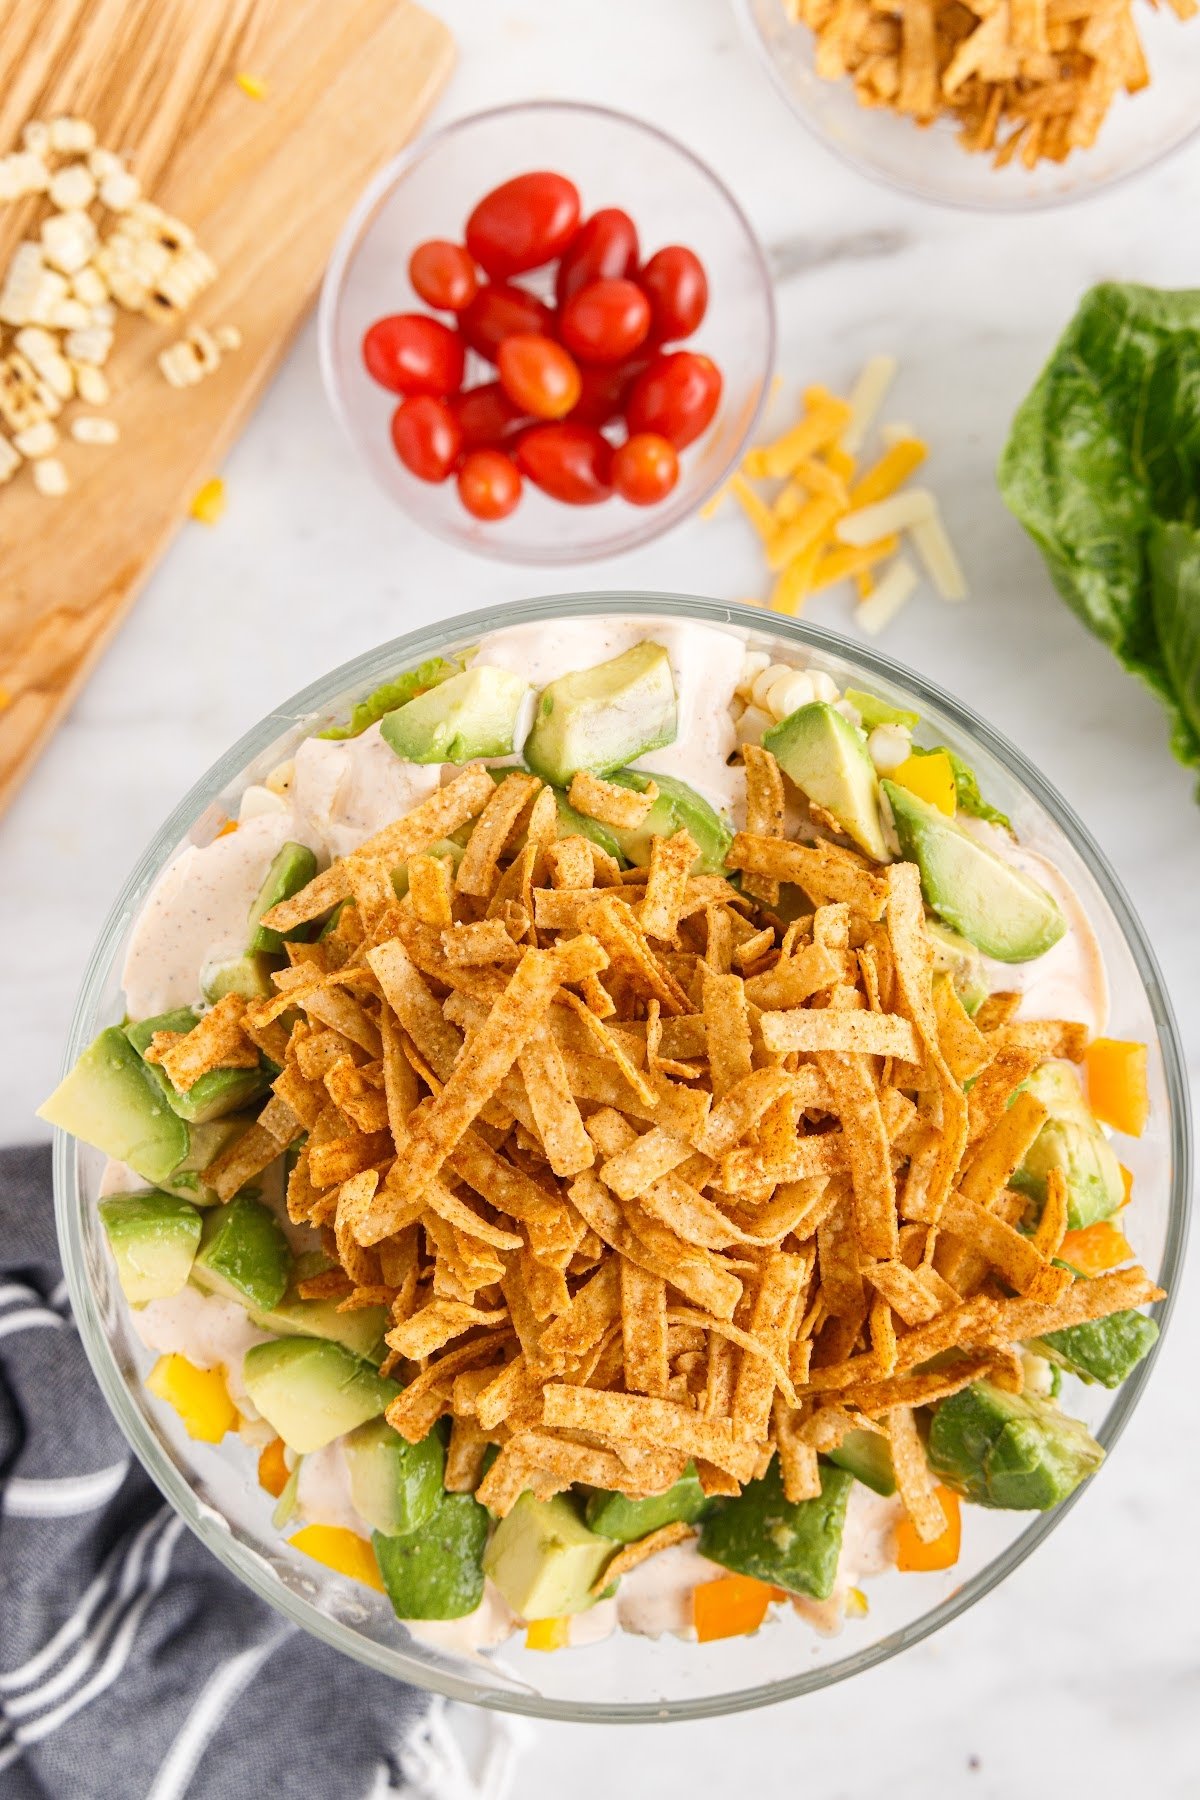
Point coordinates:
[[619, 1133]]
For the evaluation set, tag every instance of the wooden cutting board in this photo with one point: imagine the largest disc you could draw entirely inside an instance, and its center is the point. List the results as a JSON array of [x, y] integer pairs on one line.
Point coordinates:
[[266, 185]]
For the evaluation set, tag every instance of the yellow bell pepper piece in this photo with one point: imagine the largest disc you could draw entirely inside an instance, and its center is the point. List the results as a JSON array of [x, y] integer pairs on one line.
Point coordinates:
[[1118, 1087], [548, 1634], [731, 1606], [942, 1553], [929, 778], [857, 1604], [341, 1550], [209, 502], [1096, 1248], [199, 1396]]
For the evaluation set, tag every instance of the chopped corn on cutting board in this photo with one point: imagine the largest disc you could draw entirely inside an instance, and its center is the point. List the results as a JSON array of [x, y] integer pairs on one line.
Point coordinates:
[[265, 183]]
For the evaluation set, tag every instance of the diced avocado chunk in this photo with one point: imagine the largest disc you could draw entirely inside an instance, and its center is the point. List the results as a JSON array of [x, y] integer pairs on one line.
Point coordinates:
[[472, 714], [292, 869], [544, 1559], [993, 905], [436, 1572], [153, 1238], [217, 1093], [792, 1546], [1009, 1450], [678, 808], [395, 1486], [873, 711], [1072, 1141], [867, 1457], [310, 1390], [953, 956], [110, 1099], [245, 1255], [205, 1144], [819, 749], [615, 1516], [604, 717], [360, 1332], [249, 976], [1101, 1350]]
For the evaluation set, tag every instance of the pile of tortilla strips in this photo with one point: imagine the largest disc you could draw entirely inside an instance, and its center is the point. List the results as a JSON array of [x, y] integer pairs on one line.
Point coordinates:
[[1022, 79], [644, 1174]]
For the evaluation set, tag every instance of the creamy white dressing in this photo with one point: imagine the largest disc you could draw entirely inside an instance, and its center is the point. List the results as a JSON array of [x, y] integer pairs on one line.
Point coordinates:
[[705, 661], [208, 1330], [323, 1490], [484, 1629], [344, 790]]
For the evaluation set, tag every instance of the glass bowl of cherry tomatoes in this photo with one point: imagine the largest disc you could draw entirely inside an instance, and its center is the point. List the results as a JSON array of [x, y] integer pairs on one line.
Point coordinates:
[[549, 330]]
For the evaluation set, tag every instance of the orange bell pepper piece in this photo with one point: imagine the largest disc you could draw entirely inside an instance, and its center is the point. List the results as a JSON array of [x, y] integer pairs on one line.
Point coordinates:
[[731, 1606], [548, 1634], [1118, 1087], [273, 1471], [1127, 1179], [1096, 1248], [942, 1553]]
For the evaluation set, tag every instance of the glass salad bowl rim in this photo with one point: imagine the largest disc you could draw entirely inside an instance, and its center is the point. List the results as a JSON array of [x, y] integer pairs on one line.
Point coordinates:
[[363, 673], [658, 520]]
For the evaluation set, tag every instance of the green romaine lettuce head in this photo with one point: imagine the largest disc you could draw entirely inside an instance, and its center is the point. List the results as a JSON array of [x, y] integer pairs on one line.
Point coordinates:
[[1102, 468], [392, 694]]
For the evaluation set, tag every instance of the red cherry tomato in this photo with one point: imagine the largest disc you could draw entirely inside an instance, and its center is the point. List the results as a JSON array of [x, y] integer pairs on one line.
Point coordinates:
[[411, 354], [523, 223], [604, 247], [568, 462], [486, 415], [604, 389], [605, 321], [677, 288], [427, 436], [676, 397], [489, 484], [499, 311], [539, 376], [443, 275], [645, 468]]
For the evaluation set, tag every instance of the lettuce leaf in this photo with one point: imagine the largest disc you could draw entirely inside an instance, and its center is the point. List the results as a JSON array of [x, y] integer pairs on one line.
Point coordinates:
[[1102, 467], [392, 694]]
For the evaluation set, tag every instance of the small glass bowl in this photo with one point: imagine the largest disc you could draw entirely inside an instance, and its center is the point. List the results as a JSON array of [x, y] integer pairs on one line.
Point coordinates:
[[614, 161], [1140, 130], [623, 1678]]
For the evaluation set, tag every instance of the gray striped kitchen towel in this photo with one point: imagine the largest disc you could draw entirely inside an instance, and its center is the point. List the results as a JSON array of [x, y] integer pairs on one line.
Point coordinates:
[[132, 1665]]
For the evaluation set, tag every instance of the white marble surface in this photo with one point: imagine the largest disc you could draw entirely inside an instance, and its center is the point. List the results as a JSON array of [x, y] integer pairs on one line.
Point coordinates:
[[1083, 1669]]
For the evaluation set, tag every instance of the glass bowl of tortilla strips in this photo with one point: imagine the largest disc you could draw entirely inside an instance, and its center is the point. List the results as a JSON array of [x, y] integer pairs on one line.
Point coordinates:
[[1010, 107], [622, 1158]]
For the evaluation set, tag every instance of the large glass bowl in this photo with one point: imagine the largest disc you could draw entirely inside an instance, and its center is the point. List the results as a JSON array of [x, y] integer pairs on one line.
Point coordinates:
[[1139, 131], [614, 160], [623, 1678]]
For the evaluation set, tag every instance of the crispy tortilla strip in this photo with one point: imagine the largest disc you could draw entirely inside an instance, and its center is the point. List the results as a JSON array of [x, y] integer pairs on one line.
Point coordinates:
[[429, 888], [991, 1092], [456, 1212], [798, 1465], [513, 1392], [912, 965], [727, 1031], [612, 922], [966, 1049], [570, 864], [642, 1420], [559, 1122], [436, 1324], [794, 979], [484, 941], [608, 802], [850, 1033], [996, 1010], [875, 1399], [464, 1457], [305, 1098], [738, 1111], [435, 817], [1052, 1226], [644, 1330], [865, 1142], [782, 1284], [631, 1172], [477, 870], [1003, 1150], [718, 939], [354, 1196], [631, 1556], [1015, 1321], [355, 1090], [822, 870], [764, 814], [246, 1157], [987, 1235], [698, 1274], [904, 1290], [666, 885], [609, 1043], [913, 1481], [433, 1132], [595, 1307], [838, 1257], [684, 1210], [334, 1006], [1062, 1038], [881, 1329], [217, 1042]]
